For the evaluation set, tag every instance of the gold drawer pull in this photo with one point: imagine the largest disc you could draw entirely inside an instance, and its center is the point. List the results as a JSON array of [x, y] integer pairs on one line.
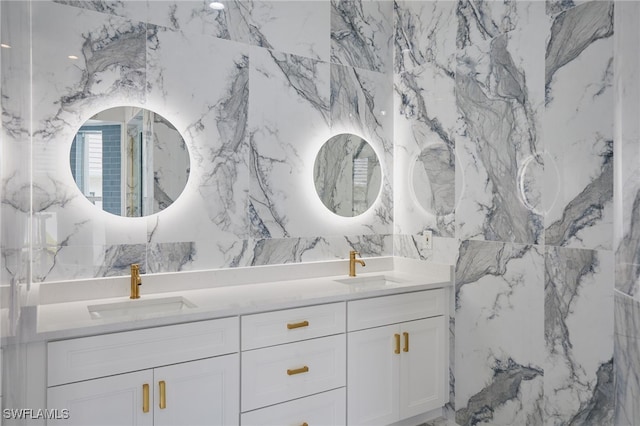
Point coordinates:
[[406, 341], [163, 394], [298, 370], [397, 336], [298, 325], [305, 424], [145, 398]]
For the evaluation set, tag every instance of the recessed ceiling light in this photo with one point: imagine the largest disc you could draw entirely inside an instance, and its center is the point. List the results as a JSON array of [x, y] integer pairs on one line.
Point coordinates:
[[6, 46], [216, 5], [72, 57]]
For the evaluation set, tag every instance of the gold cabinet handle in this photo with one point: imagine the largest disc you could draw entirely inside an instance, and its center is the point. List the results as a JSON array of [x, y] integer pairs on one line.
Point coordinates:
[[145, 398], [406, 341], [298, 325], [397, 336], [163, 394], [305, 424], [304, 369]]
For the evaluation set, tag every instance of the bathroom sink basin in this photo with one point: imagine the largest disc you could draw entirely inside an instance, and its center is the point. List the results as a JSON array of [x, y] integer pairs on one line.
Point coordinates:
[[372, 281], [140, 307]]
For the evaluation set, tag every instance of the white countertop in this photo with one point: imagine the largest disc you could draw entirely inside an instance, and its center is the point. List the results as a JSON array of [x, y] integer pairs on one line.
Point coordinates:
[[248, 290]]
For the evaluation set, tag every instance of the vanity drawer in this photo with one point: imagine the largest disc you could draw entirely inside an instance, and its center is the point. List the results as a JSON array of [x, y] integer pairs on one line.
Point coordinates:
[[292, 325], [324, 409], [98, 356], [281, 373], [379, 311]]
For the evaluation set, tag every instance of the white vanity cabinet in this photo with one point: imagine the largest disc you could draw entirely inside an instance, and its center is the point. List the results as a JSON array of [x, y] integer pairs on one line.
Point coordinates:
[[181, 374], [396, 357], [294, 366]]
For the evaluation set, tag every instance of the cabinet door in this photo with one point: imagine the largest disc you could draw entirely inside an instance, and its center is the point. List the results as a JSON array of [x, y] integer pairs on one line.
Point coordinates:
[[115, 400], [422, 366], [372, 377], [204, 392]]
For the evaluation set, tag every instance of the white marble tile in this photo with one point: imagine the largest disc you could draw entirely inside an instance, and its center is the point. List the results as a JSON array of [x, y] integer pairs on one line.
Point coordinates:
[[289, 103], [499, 334], [424, 134], [297, 27], [627, 359], [424, 34], [578, 370], [295, 250], [579, 128], [499, 93], [440, 250], [361, 34], [627, 148], [136, 9], [213, 119]]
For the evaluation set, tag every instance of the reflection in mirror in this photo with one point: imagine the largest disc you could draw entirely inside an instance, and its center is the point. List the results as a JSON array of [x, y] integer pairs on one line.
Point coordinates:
[[433, 178], [347, 175], [129, 161]]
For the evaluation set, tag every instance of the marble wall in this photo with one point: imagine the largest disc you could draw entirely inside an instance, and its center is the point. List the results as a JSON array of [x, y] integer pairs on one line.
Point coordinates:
[[255, 89], [512, 106], [495, 123]]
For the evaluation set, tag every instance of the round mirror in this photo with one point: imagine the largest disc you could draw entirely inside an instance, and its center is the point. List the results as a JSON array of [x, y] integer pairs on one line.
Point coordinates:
[[129, 161], [433, 178], [347, 175]]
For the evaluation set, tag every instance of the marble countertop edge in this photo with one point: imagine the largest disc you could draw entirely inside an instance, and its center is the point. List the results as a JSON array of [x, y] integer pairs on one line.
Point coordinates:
[[70, 319]]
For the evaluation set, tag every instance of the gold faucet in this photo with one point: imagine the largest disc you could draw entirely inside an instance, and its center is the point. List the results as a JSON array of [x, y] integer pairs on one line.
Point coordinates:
[[136, 281], [353, 261]]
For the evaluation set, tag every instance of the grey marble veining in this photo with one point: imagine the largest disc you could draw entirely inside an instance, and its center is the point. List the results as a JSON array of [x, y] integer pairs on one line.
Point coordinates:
[[127, 9], [587, 208], [425, 117], [118, 260], [170, 257], [361, 34], [573, 31], [578, 297], [362, 101], [424, 35], [476, 260], [627, 359], [291, 250], [300, 89], [499, 334], [440, 250], [504, 387], [579, 128], [627, 151], [499, 141], [214, 121]]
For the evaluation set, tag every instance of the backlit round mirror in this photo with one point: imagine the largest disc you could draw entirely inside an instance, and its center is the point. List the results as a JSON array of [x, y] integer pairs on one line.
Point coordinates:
[[433, 178], [347, 175], [129, 161]]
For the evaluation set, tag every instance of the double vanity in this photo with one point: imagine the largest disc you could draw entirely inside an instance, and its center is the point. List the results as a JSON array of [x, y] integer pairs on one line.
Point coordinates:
[[299, 344]]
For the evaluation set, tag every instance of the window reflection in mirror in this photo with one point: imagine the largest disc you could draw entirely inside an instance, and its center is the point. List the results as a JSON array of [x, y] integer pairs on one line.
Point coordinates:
[[347, 175], [129, 161]]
